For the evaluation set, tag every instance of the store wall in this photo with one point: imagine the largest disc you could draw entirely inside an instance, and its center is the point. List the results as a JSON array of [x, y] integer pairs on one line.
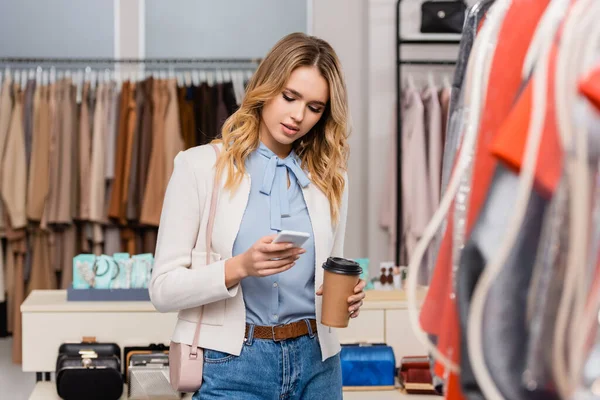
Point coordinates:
[[343, 23], [208, 28], [57, 28]]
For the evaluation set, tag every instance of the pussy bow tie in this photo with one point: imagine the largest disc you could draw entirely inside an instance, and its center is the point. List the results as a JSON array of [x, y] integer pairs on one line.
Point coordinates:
[[275, 185]]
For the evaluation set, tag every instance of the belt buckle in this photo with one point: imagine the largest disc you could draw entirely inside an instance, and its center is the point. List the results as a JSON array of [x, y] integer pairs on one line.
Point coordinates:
[[273, 331]]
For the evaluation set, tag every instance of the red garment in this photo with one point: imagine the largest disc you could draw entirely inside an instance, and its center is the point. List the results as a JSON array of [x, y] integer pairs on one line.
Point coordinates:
[[509, 145], [589, 86]]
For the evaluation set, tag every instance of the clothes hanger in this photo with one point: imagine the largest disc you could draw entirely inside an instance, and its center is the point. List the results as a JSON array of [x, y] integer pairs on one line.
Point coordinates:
[[565, 83], [93, 79], [584, 316], [79, 86], [430, 79], [564, 87], [38, 75], [237, 79], [493, 23], [226, 75], [210, 78], [544, 28], [24, 77]]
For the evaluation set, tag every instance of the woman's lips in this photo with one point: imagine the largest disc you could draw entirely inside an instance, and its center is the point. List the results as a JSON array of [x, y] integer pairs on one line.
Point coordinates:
[[289, 130]]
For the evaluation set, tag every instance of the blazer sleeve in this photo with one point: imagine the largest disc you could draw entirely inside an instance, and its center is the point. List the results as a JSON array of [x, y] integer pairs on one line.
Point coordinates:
[[174, 285], [340, 231]]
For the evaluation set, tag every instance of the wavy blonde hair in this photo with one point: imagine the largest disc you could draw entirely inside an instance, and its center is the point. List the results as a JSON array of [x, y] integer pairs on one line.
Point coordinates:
[[324, 150]]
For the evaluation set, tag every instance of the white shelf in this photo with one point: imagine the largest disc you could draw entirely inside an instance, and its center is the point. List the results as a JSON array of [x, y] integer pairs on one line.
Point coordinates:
[[47, 391], [56, 301]]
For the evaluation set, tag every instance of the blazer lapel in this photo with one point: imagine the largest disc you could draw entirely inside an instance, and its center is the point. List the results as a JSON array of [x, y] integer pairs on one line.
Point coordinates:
[[318, 210], [230, 211]]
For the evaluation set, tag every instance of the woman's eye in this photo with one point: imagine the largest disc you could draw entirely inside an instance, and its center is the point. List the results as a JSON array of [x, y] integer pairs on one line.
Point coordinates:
[[287, 98], [315, 110]]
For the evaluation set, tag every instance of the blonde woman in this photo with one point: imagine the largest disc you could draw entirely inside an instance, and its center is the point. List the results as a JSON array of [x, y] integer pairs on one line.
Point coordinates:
[[282, 166]]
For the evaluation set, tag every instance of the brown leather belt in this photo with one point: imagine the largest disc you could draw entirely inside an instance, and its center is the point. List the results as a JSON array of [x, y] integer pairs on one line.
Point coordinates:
[[283, 332]]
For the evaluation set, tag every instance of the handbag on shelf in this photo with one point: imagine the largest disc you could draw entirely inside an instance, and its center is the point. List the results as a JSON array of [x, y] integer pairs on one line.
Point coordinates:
[[443, 16], [186, 362], [148, 377], [368, 365], [415, 376], [89, 370]]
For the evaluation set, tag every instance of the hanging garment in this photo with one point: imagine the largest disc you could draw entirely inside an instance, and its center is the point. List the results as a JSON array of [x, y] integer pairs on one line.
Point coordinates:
[[205, 114], [445, 104], [127, 118], [66, 139], [229, 98], [173, 141], [186, 116], [145, 145], [39, 177], [455, 110], [28, 117], [2, 288], [14, 167], [18, 247], [433, 126], [68, 252], [85, 153], [416, 201], [155, 184], [6, 109], [222, 114], [97, 168], [55, 103], [132, 185], [42, 275]]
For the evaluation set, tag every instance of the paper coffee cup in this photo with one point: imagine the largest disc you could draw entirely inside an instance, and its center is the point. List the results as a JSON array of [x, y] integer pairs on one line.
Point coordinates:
[[340, 276]]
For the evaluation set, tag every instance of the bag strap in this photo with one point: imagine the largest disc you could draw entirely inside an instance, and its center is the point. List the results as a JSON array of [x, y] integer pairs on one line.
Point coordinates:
[[209, 229]]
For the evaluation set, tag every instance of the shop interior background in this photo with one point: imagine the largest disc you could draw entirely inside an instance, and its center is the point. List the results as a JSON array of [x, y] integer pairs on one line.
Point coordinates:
[[361, 31]]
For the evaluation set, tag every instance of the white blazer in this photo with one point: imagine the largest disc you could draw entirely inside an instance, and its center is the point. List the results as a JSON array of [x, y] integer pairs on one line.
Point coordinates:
[[182, 281]]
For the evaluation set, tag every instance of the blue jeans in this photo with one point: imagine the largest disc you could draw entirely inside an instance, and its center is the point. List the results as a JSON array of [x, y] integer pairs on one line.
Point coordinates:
[[268, 370]]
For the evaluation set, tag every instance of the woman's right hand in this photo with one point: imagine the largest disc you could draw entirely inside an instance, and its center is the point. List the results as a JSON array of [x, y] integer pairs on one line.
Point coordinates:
[[264, 258]]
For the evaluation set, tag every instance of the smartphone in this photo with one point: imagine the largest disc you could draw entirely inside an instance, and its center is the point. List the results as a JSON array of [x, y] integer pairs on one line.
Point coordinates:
[[297, 238]]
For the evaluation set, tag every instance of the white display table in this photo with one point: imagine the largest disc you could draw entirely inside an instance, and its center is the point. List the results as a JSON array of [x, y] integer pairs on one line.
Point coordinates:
[[47, 391], [49, 320]]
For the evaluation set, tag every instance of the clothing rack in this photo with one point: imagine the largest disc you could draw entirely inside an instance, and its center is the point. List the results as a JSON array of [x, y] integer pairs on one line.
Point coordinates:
[[399, 62], [34, 60]]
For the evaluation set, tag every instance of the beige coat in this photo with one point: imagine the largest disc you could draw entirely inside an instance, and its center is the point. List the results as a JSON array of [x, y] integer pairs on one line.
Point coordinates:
[[14, 167]]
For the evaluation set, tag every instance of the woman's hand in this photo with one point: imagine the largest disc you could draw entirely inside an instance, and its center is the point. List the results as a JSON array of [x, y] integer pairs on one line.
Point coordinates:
[[355, 301], [264, 258]]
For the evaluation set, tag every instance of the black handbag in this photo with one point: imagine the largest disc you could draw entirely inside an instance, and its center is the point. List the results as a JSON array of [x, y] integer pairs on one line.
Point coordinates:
[[89, 371], [443, 16]]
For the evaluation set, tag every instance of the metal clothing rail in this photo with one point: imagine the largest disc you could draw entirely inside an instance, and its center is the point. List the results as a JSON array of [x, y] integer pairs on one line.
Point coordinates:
[[33, 60], [399, 62]]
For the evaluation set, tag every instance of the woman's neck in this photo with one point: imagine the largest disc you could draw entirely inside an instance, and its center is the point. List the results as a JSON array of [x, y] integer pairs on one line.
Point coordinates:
[[280, 150]]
